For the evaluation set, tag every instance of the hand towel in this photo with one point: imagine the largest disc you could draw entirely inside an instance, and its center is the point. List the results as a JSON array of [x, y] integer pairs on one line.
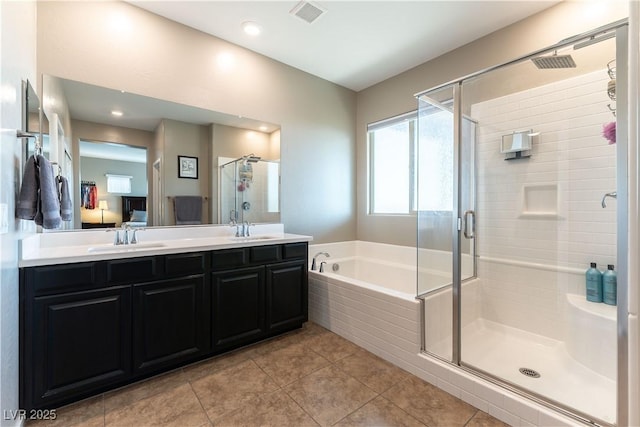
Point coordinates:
[[28, 200], [49, 203], [188, 210], [66, 207]]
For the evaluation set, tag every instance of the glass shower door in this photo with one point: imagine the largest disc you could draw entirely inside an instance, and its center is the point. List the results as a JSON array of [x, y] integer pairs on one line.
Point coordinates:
[[437, 211], [543, 165]]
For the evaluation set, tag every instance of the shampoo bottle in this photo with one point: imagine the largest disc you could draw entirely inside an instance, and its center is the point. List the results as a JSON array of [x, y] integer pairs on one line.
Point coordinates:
[[610, 286], [594, 284]]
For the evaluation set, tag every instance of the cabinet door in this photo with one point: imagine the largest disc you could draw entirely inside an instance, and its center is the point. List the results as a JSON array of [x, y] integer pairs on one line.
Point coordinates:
[[287, 299], [170, 323], [238, 307], [81, 342]]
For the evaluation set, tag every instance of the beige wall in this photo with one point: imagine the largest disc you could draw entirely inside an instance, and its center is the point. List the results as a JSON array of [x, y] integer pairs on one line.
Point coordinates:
[[155, 57], [396, 95], [185, 139]]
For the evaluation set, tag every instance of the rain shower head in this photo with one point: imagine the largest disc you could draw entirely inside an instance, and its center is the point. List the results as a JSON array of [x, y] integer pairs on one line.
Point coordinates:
[[252, 158], [554, 61]]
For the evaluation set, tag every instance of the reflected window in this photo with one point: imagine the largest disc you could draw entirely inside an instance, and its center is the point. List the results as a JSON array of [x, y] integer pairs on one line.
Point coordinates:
[[119, 184]]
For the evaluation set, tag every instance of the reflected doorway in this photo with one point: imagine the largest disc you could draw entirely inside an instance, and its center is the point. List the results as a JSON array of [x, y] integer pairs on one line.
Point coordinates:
[[110, 174]]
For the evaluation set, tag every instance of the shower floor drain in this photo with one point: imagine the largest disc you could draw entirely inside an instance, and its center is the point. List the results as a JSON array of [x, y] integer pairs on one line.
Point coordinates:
[[529, 372]]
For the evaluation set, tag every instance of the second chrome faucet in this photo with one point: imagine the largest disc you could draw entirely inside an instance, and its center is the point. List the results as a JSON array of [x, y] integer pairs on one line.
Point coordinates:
[[313, 262]]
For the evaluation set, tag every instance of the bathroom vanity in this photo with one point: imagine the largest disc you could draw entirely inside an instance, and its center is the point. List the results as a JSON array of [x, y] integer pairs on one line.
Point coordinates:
[[113, 317]]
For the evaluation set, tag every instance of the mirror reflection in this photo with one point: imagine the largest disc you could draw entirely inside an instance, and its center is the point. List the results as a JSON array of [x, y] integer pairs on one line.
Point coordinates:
[[148, 162]]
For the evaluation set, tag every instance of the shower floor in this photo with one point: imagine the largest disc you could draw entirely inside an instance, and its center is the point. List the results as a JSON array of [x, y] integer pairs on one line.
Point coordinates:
[[501, 351]]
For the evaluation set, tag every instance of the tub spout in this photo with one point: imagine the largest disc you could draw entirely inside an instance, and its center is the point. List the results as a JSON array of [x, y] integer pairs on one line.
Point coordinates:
[[313, 263], [322, 264], [613, 195]]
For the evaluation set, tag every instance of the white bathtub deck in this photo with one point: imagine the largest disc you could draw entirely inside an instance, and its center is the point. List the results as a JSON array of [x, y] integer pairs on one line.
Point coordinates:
[[502, 351]]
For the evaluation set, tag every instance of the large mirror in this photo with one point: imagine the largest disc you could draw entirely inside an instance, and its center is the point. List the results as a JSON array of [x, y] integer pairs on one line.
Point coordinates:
[[149, 162]]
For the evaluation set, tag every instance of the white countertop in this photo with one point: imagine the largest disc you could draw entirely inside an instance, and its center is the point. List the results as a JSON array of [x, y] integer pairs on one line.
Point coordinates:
[[88, 245]]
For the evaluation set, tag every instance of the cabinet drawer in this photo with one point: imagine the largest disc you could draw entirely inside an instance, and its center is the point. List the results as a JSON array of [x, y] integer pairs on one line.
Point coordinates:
[[229, 258], [62, 278], [265, 253], [184, 264], [294, 250], [131, 270]]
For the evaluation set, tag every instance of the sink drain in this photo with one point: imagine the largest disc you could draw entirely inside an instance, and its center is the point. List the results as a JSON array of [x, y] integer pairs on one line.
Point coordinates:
[[529, 372]]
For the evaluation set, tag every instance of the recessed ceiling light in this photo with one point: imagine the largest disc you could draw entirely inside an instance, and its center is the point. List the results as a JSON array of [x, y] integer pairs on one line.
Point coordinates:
[[251, 28], [116, 113], [263, 128]]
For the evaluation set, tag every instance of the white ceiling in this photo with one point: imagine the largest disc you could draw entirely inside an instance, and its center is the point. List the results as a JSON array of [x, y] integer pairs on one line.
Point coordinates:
[[355, 44]]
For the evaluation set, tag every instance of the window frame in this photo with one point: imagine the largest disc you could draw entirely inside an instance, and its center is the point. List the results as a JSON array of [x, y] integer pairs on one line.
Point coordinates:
[[412, 118]]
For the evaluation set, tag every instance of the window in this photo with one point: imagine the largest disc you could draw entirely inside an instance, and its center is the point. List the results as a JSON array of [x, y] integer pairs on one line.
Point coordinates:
[[118, 184], [404, 178]]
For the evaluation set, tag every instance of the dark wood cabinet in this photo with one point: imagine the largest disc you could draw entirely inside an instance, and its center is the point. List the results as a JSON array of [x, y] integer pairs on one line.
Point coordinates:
[[238, 307], [170, 323], [87, 225], [81, 342], [287, 299], [89, 327]]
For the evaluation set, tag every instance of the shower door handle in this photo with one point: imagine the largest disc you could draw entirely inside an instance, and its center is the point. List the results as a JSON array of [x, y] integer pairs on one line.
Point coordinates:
[[469, 224]]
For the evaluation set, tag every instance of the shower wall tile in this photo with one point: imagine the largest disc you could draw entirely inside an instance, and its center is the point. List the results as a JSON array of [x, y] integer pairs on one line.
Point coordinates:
[[569, 153]]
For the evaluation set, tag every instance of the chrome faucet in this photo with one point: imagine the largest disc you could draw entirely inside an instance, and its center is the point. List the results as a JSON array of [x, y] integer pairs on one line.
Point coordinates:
[[125, 234], [241, 232], [322, 264], [134, 239], [313, 263], [613, 195], [245, 229], [116, 239], [233, 223]]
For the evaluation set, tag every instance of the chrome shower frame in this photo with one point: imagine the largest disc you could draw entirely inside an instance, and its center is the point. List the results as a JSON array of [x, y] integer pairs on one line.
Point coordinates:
[[619, 29]]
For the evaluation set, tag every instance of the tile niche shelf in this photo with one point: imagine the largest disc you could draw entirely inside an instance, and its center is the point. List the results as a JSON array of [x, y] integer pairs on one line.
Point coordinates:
[[539, 201]]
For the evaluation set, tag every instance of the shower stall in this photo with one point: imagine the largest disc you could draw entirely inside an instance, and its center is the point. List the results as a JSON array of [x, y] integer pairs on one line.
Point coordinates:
[[249, 189], [522, 175]]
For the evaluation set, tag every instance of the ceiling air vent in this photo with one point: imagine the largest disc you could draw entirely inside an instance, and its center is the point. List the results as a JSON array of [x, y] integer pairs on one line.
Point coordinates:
[[307, 11]]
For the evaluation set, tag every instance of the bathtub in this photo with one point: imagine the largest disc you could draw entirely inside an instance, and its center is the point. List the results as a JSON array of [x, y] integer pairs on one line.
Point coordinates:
[[366, 294]]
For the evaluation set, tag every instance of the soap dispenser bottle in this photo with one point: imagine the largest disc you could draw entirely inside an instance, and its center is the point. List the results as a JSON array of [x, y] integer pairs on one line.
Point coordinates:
[[610, 286], [594, 284]]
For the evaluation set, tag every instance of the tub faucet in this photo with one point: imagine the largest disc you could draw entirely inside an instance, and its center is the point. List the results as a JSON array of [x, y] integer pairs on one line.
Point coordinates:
[[313, 263], [613, 195]]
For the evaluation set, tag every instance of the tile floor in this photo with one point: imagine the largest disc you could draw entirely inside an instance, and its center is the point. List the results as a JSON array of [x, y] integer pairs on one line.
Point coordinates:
[[307, 377]]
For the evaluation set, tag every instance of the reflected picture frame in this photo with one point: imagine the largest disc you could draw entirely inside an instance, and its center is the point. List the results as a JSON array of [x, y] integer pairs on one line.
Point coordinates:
[[187, 167]]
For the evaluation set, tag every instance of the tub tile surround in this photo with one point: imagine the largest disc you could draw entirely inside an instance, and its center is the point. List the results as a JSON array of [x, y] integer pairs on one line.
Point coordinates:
[[357, 388], [389, 327]]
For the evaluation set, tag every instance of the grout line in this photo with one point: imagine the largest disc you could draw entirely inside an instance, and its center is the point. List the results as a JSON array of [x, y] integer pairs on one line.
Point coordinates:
[[200, 402]]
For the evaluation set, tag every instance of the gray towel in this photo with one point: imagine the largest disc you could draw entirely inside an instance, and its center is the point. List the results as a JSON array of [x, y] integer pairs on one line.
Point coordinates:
[[66, 207], [48, 214], [28, 200], [188, 210]]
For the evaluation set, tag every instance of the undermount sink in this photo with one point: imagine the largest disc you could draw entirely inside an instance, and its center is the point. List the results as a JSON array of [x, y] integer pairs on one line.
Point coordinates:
[[252, 238], [126, 248]]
